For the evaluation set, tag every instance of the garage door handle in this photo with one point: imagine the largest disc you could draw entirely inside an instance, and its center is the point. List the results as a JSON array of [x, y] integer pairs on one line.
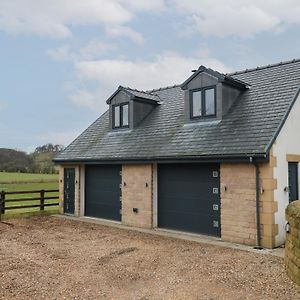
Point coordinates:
[[215, 191]]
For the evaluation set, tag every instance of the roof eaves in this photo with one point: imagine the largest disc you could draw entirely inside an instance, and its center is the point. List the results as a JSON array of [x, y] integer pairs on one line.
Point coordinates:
[[221, 157]]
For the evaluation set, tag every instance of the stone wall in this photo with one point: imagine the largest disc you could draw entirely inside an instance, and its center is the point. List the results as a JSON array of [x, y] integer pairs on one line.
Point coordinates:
[[238, 218], [238, 203], [292, 243], [268, 204], [137, 191]]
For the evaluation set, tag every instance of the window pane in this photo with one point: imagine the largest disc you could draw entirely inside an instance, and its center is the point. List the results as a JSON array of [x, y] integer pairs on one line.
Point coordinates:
[[117, 116], [210, 102], [197, 104], [125, 115]]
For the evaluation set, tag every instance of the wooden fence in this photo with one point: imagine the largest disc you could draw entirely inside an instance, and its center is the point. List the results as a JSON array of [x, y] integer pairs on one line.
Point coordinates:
[[21, 203]]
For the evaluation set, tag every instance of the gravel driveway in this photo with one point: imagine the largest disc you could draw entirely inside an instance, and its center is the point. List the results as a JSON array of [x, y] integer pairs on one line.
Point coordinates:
[[53, 258]]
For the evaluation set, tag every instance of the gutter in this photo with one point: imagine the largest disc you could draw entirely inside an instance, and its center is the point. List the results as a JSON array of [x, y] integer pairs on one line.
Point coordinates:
[[200, 159]]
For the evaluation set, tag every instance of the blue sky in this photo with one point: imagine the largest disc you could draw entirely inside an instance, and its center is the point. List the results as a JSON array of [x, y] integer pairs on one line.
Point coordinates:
[[61, 59]]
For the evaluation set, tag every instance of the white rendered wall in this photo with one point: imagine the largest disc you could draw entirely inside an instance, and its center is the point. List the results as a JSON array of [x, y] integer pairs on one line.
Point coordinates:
[[287, 142]]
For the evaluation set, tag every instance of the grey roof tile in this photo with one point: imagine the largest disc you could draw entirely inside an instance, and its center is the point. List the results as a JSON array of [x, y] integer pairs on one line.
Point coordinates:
[[248, 127]]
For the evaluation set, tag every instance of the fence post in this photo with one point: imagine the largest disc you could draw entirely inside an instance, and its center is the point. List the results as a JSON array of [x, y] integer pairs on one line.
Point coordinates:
[[2, 203], [42, 199]]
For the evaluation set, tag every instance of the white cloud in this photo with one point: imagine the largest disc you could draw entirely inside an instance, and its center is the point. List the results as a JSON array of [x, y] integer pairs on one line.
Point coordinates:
[[237, 18], [125, 31], [166, 69], [94, 100], [54, 18], [145, 5], [94, 49], [62, 53]]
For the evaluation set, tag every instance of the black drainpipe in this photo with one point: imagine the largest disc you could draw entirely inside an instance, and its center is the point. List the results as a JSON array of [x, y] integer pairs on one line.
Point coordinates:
[[258, 235]]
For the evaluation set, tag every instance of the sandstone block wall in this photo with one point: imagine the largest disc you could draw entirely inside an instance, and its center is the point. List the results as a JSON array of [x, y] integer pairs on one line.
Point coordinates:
[[238, 218], [268, 204], [137, 191], [238, 203]]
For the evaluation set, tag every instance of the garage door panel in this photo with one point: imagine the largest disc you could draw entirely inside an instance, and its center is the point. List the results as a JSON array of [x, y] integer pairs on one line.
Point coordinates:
[[193, 221], [189, 198], [102, 192], [187, 204], [182, 187]]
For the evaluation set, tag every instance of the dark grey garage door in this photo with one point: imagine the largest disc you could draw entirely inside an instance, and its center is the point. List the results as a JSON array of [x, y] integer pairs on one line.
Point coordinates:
[[189, 198], [102, 191]]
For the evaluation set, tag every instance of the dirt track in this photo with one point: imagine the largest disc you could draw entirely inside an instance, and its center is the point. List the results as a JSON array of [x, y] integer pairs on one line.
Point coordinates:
[[50, 258]]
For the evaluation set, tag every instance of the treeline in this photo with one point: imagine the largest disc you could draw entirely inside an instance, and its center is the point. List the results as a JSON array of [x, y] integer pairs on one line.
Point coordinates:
[[39, 161]]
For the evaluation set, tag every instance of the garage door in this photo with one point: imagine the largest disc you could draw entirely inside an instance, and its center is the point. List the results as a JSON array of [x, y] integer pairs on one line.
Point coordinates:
[[102, 192], [189, 198]]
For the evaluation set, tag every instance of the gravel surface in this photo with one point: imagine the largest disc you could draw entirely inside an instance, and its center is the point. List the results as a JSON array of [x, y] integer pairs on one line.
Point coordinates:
[[52, 258]]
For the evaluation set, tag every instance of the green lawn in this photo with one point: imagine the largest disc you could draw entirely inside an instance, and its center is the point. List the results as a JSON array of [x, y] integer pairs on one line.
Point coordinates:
[[22, 178], [25, 177]]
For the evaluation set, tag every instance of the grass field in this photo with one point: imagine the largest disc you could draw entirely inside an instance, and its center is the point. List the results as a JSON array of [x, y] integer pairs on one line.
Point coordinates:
[[26, 177], [28, 182]]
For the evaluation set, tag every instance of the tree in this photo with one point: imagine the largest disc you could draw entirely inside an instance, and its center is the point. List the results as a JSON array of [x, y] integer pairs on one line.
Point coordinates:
[[43, 156], [15, 161], [49, 148]]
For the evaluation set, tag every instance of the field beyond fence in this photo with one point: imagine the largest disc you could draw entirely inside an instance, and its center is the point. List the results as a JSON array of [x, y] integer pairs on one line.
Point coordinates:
[[25, 194]]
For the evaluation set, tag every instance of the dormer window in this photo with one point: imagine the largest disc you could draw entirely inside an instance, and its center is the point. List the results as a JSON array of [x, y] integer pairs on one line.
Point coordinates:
[[203, 102], [120, 115]]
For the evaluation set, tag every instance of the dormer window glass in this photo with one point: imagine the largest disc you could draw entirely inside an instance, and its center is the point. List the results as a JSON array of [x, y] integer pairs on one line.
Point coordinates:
[[197, 103], [120, 115], [203, 102], [210, 107], [125, 115]]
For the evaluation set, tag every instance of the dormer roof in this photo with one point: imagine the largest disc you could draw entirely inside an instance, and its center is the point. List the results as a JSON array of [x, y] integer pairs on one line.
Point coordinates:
[[221, 78], [136, 95]]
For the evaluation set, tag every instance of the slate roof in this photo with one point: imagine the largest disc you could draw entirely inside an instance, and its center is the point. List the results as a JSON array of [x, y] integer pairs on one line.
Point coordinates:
[[248, 129]]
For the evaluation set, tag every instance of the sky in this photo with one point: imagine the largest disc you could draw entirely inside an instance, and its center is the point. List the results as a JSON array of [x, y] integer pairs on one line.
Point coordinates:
[[61, 59]]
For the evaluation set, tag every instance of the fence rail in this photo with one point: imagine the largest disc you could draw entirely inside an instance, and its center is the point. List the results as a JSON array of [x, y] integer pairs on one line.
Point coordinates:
[[39, 197]]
